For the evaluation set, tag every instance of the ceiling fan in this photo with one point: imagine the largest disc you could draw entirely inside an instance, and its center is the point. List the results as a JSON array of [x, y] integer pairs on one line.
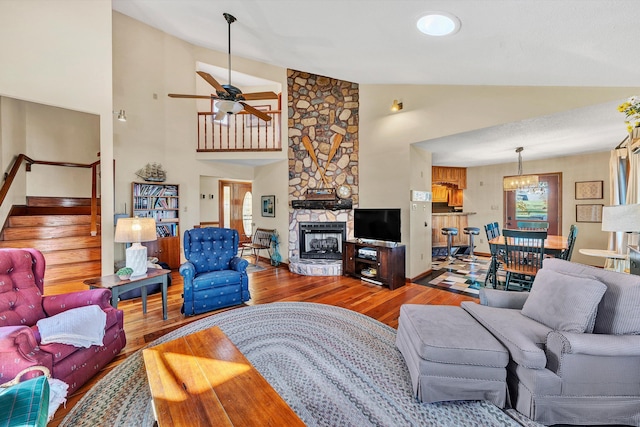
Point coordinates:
[[230, 98]]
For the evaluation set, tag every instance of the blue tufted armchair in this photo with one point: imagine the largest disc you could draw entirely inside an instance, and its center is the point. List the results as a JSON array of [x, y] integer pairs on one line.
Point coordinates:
[[214, 277]]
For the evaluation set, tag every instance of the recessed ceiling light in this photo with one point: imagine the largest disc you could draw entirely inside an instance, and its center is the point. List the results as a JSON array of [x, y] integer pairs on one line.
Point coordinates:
[[438, 24]]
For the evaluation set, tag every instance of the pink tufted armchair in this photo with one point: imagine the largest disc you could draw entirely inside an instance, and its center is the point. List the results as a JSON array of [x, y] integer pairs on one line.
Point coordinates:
[[22, 305]]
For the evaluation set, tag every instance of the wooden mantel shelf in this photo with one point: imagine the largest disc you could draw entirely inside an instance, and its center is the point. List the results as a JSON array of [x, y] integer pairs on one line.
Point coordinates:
[[332, 205]]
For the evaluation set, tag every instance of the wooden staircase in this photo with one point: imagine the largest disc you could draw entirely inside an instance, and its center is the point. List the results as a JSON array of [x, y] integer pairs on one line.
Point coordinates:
[[61, 229]]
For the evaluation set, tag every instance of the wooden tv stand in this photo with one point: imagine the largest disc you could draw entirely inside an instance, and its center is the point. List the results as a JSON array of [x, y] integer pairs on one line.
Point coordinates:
[[383, 264]]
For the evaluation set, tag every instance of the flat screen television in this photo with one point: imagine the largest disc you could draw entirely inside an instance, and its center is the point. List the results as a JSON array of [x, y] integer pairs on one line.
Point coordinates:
[[377, 224]]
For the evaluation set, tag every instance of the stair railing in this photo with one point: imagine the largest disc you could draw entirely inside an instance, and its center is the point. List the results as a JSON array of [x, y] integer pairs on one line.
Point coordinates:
[[22, 158]]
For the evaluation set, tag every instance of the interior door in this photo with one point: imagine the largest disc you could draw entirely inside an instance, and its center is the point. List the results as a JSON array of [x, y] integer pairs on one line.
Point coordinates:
[[534, 206], [236, 207]]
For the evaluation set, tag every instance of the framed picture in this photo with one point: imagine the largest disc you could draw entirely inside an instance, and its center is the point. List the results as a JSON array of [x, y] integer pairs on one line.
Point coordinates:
[[589, 190], [268, 206], [253, 121], [589, 213]]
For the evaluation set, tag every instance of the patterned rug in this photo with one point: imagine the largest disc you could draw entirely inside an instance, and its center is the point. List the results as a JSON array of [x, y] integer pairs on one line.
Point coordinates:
[[462, 275], [333, 366]]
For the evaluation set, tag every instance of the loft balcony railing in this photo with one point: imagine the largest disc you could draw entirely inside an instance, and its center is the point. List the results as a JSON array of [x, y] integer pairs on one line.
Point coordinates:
[[239, 132]]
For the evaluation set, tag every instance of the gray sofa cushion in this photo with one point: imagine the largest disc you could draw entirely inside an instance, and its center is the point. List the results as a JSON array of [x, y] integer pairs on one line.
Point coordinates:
[[564, 302], [618, 312], [524, 338]]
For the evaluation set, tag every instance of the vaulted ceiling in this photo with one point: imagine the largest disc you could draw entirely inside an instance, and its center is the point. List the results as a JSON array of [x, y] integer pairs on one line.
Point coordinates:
[[500, 42]]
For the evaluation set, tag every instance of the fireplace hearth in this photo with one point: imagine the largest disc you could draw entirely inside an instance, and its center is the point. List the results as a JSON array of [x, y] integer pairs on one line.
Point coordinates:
[[321, 240]]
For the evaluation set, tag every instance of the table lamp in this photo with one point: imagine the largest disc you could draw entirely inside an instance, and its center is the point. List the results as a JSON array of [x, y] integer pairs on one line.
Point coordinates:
[[134, 231], [621, 218]]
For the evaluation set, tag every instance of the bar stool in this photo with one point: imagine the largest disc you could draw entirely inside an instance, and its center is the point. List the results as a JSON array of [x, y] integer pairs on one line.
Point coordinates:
[[471, 231], [449, 232]]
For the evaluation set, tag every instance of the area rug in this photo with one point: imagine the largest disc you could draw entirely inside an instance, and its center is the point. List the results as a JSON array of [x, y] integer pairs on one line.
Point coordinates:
[[460, 276], [333, 366]]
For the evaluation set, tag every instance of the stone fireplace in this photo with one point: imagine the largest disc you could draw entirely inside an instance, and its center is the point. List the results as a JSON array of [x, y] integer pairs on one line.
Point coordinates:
[[321, 240], [323, 154]]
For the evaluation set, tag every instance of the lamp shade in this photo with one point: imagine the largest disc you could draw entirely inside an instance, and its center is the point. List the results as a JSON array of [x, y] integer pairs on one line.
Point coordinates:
[[518, 182], [624, 218], [135, 230]]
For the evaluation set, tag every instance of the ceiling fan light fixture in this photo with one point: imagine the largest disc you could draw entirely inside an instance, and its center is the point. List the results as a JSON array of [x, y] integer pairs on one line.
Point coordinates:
[[438, 24], [229, 107]]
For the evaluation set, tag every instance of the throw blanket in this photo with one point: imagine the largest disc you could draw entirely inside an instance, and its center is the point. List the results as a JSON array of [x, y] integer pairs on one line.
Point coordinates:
[[80, 327]]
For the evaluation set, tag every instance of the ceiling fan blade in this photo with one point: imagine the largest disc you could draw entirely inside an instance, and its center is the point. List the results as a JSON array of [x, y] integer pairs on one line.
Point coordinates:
[[177, 95], [260, 114], [213, 82], [259, 95]]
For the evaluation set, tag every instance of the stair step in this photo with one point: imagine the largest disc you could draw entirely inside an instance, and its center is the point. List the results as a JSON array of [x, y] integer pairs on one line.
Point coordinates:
[[72, 272], [55, 210], [48, 220], [48, 202], [48, 245], [72, 256], [22, 233]]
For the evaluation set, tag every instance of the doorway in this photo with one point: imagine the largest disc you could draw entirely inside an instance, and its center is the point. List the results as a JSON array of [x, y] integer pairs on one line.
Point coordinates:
[[236, 207], [542, 204]]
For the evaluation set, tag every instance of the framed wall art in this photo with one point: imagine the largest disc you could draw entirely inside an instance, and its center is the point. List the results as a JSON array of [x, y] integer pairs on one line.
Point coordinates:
[[268, 206], [586, 190], [589, 213]]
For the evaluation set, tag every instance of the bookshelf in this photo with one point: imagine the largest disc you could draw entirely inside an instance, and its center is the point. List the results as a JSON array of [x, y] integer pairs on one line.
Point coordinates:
[[161, 202]]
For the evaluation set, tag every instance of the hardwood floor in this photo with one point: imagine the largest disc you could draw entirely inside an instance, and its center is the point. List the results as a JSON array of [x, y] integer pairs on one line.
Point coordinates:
[[270, 285]]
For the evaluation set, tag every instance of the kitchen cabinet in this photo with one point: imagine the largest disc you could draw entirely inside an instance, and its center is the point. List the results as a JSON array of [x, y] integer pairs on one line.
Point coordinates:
[[449, 175], [439, 193], [455, 197]]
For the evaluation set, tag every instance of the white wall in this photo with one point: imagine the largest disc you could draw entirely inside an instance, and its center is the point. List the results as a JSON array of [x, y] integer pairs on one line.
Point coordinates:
[[61, 135], [58, 53], [268, 180], [209, 211]]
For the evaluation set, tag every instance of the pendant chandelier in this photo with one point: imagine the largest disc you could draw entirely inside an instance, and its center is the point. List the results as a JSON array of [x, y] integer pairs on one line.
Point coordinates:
[[519, 182]]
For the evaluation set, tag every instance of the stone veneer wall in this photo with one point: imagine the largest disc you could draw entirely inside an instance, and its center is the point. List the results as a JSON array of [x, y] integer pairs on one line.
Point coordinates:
[[321, 107]]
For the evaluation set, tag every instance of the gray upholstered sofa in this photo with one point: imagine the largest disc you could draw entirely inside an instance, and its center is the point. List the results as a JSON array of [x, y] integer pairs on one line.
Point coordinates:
[[573, 342]]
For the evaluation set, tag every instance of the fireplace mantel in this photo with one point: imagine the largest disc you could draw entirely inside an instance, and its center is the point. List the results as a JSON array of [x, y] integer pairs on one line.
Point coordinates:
[[332, 205]]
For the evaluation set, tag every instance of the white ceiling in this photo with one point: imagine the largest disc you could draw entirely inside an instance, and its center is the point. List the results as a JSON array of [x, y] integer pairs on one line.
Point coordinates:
[[501, 42]]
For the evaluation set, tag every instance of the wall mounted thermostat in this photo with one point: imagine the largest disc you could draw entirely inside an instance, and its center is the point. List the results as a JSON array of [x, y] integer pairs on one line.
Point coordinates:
[[420, 196]]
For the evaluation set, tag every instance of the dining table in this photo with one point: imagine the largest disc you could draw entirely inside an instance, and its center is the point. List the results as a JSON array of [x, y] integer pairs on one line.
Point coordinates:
[[553, 246]]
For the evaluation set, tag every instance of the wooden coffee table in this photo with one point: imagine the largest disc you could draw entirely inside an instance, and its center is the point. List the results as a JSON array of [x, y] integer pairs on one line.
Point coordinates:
[[202, 379], [118, 286]]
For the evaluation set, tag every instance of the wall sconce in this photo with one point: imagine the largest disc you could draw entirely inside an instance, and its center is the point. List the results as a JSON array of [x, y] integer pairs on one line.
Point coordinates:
[[121, 115], [396, 106]]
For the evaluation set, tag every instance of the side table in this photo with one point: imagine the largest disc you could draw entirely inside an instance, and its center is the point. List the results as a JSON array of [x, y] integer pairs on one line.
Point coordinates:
[[117, 286]]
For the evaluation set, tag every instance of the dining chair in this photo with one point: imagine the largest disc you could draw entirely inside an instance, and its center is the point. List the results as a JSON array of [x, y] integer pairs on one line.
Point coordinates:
[[571, 240], [533, 225], [492, 230], [524, 252]]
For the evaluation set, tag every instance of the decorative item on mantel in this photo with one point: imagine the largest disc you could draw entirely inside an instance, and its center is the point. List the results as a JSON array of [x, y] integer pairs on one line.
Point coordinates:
[[152, 172], [631, 110]]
